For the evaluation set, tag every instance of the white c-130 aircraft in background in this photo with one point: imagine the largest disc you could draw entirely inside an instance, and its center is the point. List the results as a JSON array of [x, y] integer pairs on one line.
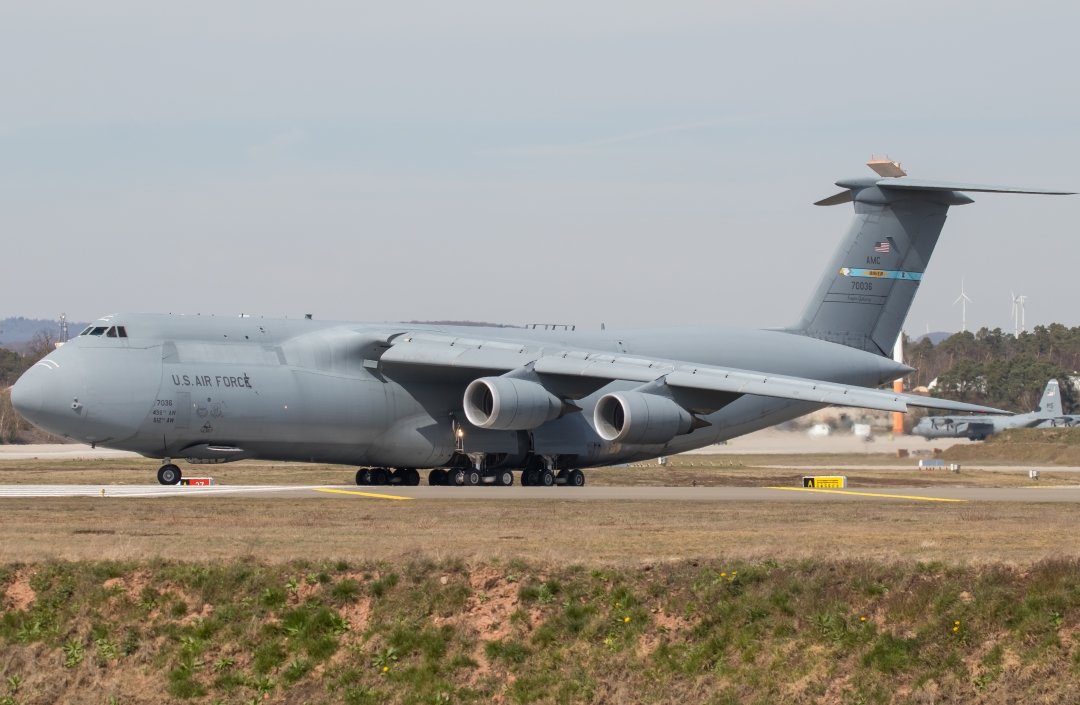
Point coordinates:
[[474, 404]]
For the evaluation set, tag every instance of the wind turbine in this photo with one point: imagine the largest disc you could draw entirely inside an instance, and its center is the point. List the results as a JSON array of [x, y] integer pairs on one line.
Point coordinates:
[[963, 300], [1018, 313]]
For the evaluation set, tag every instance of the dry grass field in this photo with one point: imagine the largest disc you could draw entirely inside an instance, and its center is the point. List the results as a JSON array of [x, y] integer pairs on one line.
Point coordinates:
[[557, 530]]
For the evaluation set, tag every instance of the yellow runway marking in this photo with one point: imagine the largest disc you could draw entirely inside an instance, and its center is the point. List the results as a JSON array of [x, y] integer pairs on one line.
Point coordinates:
[[868, 494], [362, 494]]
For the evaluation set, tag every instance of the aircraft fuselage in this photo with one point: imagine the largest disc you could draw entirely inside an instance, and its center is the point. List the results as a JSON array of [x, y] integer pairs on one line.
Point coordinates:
[[215, 389]]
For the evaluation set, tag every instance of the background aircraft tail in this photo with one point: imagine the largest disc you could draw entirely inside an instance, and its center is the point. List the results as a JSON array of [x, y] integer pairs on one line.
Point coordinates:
[[1050, 404], [867, 289]]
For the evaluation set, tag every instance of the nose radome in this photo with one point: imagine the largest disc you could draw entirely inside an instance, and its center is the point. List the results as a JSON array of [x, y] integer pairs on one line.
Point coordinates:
[[45, 393], [28, 393]]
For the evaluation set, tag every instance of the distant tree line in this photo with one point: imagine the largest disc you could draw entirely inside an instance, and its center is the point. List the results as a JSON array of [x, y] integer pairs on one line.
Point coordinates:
[[998, 369], [13, 364]]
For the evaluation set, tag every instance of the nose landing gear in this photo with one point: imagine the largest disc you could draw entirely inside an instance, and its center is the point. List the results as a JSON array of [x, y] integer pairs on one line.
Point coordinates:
[[169, 474]]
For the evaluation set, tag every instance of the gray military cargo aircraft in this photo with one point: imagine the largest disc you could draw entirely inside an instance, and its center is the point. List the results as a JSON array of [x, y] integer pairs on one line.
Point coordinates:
[[475, 404], [1047, 414]]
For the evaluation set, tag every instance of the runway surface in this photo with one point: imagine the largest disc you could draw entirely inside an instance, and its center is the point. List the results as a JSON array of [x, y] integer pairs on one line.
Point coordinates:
[[768, 441], [938, 495]]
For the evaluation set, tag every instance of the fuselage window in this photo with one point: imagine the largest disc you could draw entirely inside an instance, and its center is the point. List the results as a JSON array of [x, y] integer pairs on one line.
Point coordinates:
[[87, 331], [111, 333], [98, 331], [121, 331]]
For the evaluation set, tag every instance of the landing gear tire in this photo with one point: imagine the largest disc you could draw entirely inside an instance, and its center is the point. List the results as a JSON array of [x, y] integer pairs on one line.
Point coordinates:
[[528, 477], [363, 477], [459, 477], [473, 478], [436, 478], [575, 478], [504, 478], [169, 474], [409, 477], [380, 476], [546, 478]]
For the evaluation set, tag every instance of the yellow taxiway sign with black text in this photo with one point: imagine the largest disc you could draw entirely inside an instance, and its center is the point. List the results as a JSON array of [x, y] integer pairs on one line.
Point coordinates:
[[831, 482]]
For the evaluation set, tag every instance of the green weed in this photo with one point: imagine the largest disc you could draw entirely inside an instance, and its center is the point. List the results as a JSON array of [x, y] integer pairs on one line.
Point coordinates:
[[380, 587], [297, 669], [107, 649], [891, 655], [268, 656], [73, 653], [345, 591], [507, 650]]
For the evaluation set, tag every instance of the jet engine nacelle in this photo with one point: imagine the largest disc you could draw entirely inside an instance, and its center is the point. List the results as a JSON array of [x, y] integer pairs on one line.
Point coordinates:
[[509, 404], [634, 417]]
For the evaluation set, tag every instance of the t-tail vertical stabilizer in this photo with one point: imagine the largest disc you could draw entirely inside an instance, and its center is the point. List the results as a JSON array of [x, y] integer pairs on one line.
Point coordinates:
[[867, 289], [1050, 404]]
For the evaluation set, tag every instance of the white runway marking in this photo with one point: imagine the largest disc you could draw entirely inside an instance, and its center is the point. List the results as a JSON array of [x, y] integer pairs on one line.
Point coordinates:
[[142, 490]]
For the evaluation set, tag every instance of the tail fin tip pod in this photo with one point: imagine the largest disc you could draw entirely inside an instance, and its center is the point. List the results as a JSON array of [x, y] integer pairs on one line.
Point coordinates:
[[864, 295]]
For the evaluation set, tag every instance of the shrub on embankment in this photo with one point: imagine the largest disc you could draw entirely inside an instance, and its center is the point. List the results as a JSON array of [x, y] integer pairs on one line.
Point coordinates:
[[428, 632]]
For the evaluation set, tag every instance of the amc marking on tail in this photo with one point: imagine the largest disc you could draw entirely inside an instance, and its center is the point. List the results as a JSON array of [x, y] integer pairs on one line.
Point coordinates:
[[880, 274]]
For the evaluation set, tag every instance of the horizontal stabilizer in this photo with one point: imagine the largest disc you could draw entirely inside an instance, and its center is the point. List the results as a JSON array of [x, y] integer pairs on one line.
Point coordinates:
[[843, 197], [929, 185]]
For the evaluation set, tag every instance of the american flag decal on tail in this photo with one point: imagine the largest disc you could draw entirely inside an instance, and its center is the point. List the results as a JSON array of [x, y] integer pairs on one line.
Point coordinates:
[[883, 247]]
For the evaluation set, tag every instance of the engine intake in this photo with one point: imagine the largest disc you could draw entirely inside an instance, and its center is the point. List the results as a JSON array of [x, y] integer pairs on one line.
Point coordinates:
[[634, 417], [509, 404]]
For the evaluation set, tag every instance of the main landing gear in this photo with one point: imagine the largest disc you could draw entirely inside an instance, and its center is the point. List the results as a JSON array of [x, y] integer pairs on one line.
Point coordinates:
[[542, 471], [545, 477], [534, 476], [470, 477], [169, 474], [387, 476], [474, 471]]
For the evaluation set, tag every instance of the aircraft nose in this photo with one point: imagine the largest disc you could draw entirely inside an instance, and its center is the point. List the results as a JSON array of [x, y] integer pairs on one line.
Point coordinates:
[[47, 395], [28, 393]]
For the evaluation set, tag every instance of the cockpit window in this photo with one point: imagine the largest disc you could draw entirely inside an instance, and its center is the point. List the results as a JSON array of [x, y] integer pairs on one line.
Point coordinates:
[[108, 332]]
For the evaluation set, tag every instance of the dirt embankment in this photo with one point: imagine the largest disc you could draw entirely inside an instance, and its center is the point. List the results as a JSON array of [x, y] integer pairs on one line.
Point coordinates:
[[1051, 446], [512, 632]]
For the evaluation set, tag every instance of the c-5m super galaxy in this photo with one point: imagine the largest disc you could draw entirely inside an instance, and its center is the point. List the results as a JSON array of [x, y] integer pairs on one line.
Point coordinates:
[[1048, 414], [472, 405]]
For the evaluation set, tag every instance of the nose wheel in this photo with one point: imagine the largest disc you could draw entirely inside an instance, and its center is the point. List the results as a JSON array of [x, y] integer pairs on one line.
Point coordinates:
[[169, 474]]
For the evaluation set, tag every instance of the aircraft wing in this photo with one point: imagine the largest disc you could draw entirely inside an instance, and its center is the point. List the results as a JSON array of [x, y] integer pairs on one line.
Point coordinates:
[[710, 387]]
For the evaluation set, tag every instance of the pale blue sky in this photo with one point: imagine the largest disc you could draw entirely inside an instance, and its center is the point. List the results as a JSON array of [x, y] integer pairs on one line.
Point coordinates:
[[636, 163]]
